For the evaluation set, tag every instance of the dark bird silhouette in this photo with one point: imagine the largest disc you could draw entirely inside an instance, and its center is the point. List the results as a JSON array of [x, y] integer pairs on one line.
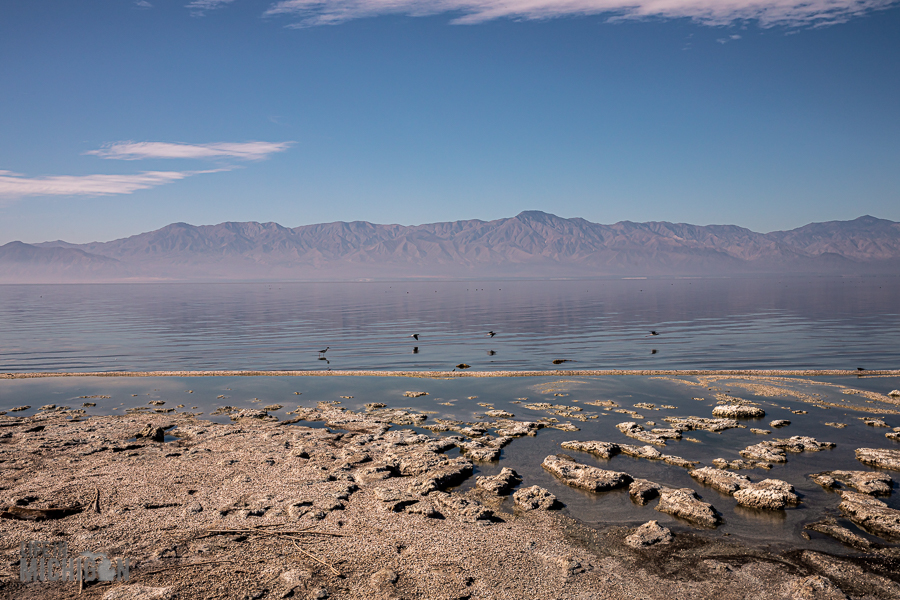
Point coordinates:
[[322, 352], [654, 333], [416, 350], [416, 336], [463, 366], [653, 351], [491, 334], [560, 361], [490, 352]]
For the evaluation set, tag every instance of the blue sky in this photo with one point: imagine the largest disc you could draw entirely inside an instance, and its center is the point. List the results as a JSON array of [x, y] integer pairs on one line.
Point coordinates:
[[122, 116]]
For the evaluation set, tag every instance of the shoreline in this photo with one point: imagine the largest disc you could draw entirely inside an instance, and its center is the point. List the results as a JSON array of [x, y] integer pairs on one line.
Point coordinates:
[[266, 509], [472, 374]]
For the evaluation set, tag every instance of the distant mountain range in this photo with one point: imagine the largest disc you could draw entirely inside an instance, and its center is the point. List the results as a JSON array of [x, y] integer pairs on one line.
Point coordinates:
[[532, 244]]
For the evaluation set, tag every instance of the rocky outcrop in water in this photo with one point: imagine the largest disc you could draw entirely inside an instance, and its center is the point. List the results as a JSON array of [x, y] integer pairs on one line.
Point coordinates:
[[774, 450], [583, 476], [654, 436], [769, 494], [831, 528], [601, 449], [608, 450], [499, 484], [685, 503], [879, 457], [867, 482], [701, 423], [726, 482], [721, 463], [643, 491], [738, 411], [871, 514]]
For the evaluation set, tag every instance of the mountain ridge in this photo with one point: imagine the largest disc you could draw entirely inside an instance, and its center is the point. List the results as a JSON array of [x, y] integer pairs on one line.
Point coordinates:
[[532, 244]]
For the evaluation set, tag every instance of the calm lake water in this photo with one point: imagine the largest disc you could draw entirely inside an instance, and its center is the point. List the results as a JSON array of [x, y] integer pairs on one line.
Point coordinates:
[[789, 323], [796, 322]]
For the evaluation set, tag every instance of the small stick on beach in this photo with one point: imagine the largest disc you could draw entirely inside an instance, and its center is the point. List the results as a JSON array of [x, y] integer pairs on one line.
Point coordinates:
[[318, 560]]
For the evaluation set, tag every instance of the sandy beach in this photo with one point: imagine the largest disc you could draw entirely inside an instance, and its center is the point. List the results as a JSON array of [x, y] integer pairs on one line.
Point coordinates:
[[335, 503]]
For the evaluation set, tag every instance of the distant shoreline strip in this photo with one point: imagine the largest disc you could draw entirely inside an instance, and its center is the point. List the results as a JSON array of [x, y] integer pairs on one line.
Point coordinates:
[[464, 374]]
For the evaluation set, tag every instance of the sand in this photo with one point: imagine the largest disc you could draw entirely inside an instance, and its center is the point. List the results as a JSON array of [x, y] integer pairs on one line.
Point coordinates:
[[267, 509]]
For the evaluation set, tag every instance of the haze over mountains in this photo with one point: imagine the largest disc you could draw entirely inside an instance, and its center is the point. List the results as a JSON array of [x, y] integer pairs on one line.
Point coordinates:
[[532, 244]]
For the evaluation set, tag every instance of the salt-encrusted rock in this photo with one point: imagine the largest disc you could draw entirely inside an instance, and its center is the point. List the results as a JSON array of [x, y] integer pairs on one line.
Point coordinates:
[[414, 394], [893, 435], [519, 428], [601, 449], [842, 534], [721, 463], [760, 431], [879, 457], [157, 434], [726, 482], [774, 450], [499, 484], [867, 482], [873, 422], [816, 587], [464, 509], [686, 504], [480, 452], [648, 452], [894, 393], [534, 498], [764, 451], [655, 436], [584, 476], [871, 514], [801, 443], [702, 423], [249, 413], [678, 461], [499, 414], [771, 494], [779, 423], [649, 534], [643, 491], [737, 411]]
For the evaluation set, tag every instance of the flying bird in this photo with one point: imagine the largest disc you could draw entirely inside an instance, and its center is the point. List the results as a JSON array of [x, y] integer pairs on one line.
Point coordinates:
[[491, 334], [416, 336]]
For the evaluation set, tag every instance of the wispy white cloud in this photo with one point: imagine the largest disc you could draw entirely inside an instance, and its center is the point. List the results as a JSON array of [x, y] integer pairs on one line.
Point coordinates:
[[142, 150], [710, 12], [16, 185], [730, 38], [143, 4], [199, 7]]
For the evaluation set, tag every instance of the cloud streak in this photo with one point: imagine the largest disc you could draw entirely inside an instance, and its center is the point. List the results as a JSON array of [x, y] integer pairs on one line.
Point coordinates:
[[144, 150], [199, 7], [15, 185], [768, 13]]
